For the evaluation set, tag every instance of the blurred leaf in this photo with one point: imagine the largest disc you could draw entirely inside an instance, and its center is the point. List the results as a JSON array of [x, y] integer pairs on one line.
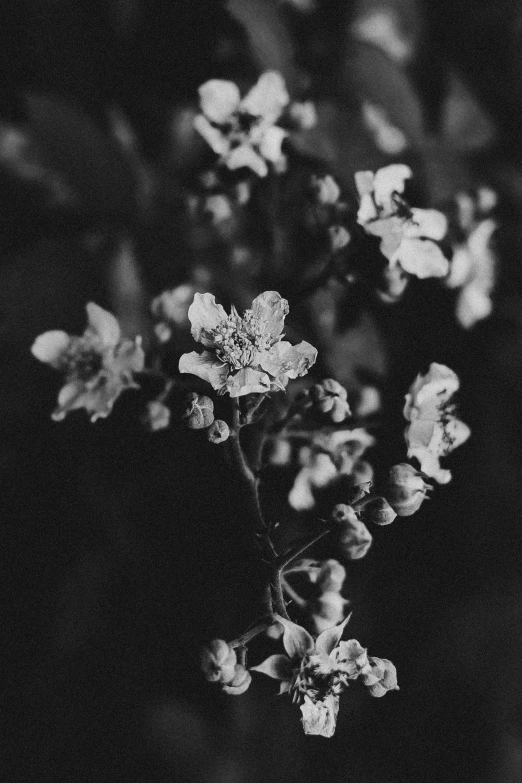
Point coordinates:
[[464, 124], [90, 161], [270, 42], [376, 78]]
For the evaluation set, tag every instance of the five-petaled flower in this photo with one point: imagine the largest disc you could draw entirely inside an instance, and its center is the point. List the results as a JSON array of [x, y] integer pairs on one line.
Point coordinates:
[[244, 354], [408, 235], [243, 131], [433, 430], [316, 672], [98, 366]]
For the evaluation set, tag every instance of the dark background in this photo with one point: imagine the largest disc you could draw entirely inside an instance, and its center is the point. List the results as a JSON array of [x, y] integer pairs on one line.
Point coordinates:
[[114, 567]]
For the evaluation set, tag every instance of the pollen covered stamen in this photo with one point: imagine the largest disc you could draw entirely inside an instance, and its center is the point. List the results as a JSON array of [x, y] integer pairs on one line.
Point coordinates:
[[239, 340]]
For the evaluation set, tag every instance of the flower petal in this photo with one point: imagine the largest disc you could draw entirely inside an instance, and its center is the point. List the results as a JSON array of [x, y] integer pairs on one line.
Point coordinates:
[[267, 98], [103, 325], [213, 136], [219, 99], [271, 308], [245, 156], [248, 381], [205, 366], [50, 346], [276, 666], [426, 223], [270, 145], [328, 639], [421, 257], [390, 180], [287, 360], [296, 640], [204, 315]]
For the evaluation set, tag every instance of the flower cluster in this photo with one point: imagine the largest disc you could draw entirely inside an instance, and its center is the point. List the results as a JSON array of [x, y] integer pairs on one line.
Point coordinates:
[[408, 235], [244, 354], [315, 673], [98, 366], [433, 430]]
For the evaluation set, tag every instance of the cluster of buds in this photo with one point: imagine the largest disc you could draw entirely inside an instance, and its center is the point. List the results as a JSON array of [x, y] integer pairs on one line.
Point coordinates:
[[199, 415], [219, 663]]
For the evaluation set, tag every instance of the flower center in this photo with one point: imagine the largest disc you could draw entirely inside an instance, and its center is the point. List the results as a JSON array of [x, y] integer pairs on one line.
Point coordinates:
[[82, 361], [239, 340]]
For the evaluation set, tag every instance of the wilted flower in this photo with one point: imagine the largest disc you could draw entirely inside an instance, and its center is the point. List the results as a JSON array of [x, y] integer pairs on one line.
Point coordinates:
[[218, 431], [200, 411], [407, 234], [98, 366], [156, 416], [243, 131], [244, 354], [316, 673], [405, 489], [218, 662], [330, 397], [434, 430]]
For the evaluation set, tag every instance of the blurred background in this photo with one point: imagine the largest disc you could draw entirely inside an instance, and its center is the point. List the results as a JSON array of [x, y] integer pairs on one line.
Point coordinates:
[[121, 549]]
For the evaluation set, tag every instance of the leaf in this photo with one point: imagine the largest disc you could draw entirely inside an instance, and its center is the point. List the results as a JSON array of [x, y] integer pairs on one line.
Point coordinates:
[[464, 124], [90, 161], [270, 41], [376, 78]]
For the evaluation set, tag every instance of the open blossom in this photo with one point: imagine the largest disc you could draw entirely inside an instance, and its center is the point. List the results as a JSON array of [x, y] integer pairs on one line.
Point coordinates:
[[332, 398], [243, 131], [244, 354], [433, 430], [315, 673], [98, 366], [408, 235]]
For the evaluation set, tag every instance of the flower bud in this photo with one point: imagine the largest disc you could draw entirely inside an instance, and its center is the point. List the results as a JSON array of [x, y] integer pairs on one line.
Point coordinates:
[[239, 682], [218, 431], [343, 514], [355, 540], [199, 412], [382, 677], [327, 610], [339, 237], [327, 189], [331, 576], [405, 489], [218, 661], [378, 511], [156, 416]]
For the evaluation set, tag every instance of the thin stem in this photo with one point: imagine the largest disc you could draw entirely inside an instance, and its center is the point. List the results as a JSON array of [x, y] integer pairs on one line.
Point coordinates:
[[300, 547], [248, 635], [292, 594]]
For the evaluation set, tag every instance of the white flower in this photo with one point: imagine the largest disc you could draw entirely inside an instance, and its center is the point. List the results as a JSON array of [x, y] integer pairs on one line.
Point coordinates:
[[473, 269], [243, 131], [408, 235], [244, 355], [434, 430], [98, 366]]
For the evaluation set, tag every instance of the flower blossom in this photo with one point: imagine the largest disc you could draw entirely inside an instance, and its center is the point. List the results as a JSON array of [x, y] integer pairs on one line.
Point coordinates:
[[408, 235], [243, 131], [315, 673], [433, 430], [244, 354], [98, 366]]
